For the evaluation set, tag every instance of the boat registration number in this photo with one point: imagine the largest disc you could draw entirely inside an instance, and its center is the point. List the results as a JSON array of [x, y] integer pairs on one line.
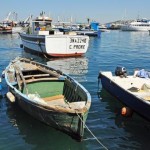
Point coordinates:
[[78, 40], [77, 43]]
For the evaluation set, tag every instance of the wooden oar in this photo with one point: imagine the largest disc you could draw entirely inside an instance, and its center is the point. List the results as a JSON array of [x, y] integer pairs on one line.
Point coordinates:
[[53, 73]]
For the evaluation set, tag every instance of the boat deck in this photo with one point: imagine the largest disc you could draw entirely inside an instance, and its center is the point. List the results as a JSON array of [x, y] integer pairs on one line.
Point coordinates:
[[51, 94], [137, 86], [59, 100], [140, 87]]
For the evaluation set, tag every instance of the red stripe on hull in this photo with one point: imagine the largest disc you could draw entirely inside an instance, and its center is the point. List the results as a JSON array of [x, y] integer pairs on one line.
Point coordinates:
[[53, 55], [65, 55]]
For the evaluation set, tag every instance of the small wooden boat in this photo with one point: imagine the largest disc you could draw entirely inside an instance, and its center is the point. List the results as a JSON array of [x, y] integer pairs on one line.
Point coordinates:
[[48, 95], [132, 90]]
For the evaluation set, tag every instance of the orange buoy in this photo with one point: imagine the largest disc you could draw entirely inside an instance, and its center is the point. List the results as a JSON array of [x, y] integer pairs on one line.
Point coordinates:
[[126, 111]]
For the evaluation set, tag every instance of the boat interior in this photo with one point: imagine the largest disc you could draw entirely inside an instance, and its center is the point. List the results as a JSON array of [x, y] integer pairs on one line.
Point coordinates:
[[136, 85], [46, 87]]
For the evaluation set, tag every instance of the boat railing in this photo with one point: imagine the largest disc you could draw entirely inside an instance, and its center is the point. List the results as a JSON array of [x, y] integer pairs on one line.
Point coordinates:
[[73, 92]]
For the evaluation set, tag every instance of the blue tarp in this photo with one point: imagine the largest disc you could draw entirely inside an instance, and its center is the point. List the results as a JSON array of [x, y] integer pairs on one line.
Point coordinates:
[[94, 26], [143, 74]]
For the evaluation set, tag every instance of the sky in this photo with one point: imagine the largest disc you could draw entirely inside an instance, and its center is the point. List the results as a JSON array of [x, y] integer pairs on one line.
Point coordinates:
[[102, 11]]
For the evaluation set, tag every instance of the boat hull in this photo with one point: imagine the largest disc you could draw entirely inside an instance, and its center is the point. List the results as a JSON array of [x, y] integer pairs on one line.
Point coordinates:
[[135, 103], [6, 31], [69, 123], [135, 28], [56, 45], [49, 95], [89, 33]]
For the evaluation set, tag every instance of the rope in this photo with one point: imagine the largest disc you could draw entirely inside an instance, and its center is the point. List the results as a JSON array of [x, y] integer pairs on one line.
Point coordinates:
[[89, 130], [92, 133], [42, 51]]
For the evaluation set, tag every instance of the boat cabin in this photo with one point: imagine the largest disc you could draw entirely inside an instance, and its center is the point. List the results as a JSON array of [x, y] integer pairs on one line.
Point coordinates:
[[42, 25]]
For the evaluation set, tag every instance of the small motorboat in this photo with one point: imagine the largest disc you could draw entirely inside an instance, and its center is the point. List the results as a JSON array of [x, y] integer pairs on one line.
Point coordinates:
[[132, 90]]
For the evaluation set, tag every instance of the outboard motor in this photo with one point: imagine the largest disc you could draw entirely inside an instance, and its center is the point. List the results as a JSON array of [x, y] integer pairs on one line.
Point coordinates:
[[121, 71]]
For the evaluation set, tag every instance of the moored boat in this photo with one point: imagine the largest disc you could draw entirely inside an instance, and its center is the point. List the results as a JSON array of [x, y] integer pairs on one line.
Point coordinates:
[[48, 95], [87, 32], [43, 39], [5, 28], [132, 90], [137, 25]]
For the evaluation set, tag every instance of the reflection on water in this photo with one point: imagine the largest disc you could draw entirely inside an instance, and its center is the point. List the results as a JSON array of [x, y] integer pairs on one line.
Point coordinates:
[[77, 67], [135, 128], [13, 40], [129, 49], [71, 66], [36, 134]]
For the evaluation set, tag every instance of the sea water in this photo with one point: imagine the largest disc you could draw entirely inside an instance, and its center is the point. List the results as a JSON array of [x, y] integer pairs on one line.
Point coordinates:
[[131, 50]]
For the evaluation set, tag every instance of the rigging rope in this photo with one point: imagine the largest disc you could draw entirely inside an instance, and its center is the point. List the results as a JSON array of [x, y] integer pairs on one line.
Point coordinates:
[[89, 130], [42, 51], [92, 134]]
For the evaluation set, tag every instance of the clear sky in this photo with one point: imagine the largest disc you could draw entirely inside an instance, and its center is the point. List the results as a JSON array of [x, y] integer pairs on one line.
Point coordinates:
[[102, 11]]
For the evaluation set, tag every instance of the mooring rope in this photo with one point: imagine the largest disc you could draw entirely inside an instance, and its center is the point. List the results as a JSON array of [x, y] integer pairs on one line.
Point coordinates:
[[42, 51], [90, 130], [92, 133]]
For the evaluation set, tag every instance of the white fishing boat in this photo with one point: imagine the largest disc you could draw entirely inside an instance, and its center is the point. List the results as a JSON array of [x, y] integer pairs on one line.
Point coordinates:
[[10, 24], [103, 28], [5, 28], [137, 25], [43, 39]]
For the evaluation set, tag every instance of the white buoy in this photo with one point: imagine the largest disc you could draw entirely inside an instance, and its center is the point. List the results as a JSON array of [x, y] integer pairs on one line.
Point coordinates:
[[11, 97]]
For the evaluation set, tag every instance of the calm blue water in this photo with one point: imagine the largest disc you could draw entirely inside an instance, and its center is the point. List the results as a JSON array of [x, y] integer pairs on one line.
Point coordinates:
[[129, 49]]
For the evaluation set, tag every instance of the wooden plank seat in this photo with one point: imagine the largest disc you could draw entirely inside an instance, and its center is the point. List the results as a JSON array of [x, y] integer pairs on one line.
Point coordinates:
[[37, 75], [59, 100], [40, 79], [51, 98]]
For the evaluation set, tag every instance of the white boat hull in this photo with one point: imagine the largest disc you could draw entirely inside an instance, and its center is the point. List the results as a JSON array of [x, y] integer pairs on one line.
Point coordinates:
[[134, 28], [56, 45], [137, 25]]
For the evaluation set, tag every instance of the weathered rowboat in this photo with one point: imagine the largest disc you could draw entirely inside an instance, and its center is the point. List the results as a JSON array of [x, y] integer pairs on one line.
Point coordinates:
[[132, 90], [48, 95]]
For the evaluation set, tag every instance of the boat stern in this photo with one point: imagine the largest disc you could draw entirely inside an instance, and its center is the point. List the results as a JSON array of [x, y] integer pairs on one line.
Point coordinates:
[[66, 45]]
